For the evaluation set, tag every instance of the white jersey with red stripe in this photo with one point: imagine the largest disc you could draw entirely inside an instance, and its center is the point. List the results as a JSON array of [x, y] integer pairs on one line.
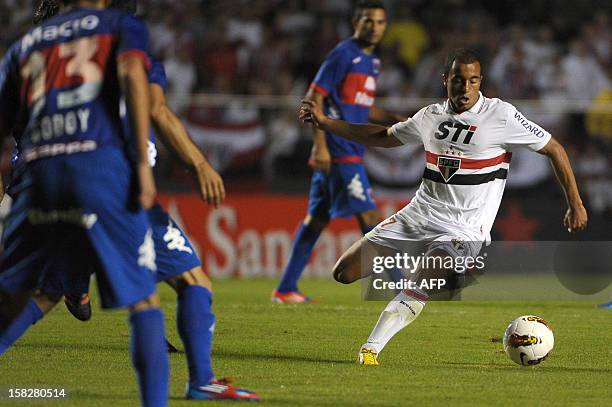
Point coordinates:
[[468, 156]]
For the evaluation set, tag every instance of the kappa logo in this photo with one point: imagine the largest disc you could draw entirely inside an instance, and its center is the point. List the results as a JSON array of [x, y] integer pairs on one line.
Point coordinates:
[[175, 239], [355, 188], [448, 167]]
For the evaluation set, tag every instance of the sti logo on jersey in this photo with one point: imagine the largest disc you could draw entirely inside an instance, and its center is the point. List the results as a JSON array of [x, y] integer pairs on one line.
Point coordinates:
[[444, 130], [448, 167]]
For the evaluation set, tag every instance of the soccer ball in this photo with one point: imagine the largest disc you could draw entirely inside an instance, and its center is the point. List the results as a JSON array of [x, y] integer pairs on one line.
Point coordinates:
[[528, 340]]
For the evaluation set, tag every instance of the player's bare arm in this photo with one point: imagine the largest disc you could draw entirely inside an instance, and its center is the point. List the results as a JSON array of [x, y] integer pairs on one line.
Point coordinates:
[[320, 152], [384, 117], [134, 84], [372, 135], [576, 216], [174, 135]]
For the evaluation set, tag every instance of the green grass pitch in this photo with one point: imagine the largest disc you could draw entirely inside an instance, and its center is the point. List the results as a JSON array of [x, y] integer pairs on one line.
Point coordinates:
[[304, 355]]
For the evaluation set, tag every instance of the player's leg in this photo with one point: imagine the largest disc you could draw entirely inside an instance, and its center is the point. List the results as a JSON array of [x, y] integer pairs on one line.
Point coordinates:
[[36, 308], [402, 310], [118, 245], [194, 316], [304, 241], [132, 285], [356, 262], [408, 304], [195, 322], [123, 283], [25, 251], [367, 222], [59, 279], [148, 352], [348, 268]]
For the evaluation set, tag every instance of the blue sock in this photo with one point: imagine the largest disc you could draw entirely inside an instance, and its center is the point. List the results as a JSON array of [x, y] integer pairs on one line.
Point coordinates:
[[15, 330], [149, 356], [196, 323], [305, 239]]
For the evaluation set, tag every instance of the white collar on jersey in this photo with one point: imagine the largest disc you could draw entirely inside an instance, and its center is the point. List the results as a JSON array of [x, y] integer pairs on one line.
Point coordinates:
[[474, 109]]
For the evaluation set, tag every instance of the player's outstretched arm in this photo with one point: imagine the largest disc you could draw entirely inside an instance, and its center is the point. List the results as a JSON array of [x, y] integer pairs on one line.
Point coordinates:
[[576, 216], [174, 135], [372, 135], [135, 86], [384, 117]]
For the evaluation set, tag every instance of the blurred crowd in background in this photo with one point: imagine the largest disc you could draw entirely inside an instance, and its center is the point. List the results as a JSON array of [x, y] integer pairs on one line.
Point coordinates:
[[557, 54]]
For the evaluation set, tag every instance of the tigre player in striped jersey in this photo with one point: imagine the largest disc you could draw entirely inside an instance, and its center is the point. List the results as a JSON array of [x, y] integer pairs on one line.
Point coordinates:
[[468, 141]]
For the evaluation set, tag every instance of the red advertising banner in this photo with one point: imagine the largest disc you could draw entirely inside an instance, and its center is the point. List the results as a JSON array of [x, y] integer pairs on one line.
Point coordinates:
[[251, 235]]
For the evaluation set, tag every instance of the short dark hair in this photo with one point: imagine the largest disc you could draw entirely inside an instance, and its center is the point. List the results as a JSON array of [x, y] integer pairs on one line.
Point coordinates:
[[463, 56], [48, 8], [127, 6], [366, 4], [45, 10]]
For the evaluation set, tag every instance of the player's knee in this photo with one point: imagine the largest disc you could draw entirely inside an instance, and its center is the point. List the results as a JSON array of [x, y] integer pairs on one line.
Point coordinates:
[[151, 302], [339, 273], [193, 277], [316, 222], [344, 272], [448, 282]]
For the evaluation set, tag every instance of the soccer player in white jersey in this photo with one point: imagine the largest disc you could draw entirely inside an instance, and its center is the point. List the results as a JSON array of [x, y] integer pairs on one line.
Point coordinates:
[[468, 141]]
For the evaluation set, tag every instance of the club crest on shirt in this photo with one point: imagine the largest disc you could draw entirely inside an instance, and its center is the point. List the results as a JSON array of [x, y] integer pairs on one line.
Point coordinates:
[[376, 65], [448, 167]]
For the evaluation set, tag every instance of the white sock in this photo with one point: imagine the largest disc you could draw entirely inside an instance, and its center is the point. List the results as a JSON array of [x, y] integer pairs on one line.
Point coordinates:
[[401, 311]]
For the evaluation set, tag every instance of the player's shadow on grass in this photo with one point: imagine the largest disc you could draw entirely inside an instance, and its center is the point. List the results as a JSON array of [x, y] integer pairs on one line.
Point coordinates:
[[280, 357], [541, 367]]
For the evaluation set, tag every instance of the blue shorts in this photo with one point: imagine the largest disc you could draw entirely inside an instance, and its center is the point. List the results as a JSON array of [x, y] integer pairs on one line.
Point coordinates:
[[343, 192], [174, 255], [173, 250], [78, 213]]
